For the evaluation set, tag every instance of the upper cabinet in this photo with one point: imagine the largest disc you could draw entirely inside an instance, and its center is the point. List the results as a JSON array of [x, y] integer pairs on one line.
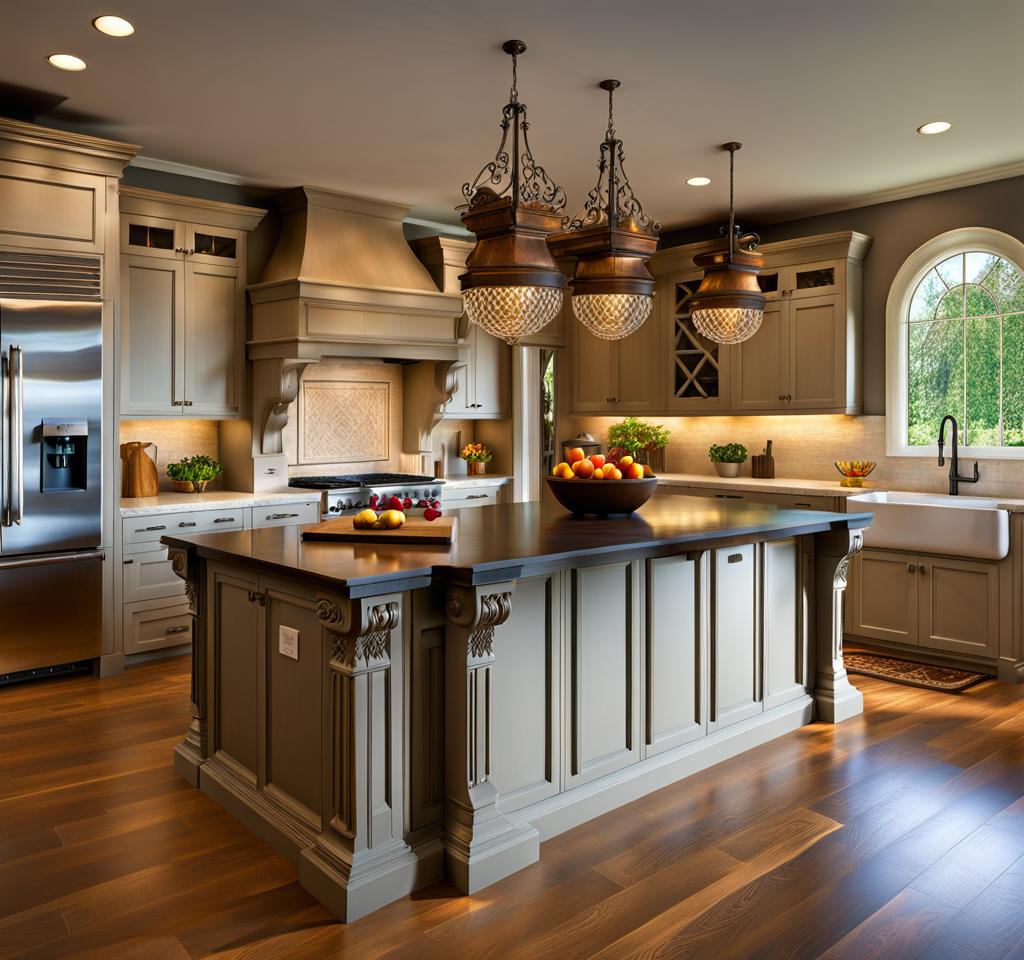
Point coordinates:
[[805, 358], [182, 305]]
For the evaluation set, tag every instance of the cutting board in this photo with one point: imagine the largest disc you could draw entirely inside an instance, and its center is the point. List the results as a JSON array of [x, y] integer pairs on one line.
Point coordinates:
[[414, 530]]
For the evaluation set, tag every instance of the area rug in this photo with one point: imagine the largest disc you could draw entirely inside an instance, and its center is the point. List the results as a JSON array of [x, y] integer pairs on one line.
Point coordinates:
[[909, 673]]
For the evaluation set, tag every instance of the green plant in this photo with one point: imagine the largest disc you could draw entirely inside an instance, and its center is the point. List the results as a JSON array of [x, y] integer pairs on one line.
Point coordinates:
[[727, 453], [195, 469], [635, 435]]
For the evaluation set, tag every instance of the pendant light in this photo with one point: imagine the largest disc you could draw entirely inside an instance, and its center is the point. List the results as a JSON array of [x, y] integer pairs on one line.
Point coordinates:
[[612, 239], [728, 307], [512, 286]]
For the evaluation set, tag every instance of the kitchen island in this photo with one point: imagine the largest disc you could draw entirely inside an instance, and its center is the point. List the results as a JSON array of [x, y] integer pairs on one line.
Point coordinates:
[[387, 715]]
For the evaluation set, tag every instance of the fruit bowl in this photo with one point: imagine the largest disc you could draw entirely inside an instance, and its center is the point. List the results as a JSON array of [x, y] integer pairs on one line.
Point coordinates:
[[854, 471], [602, 498]]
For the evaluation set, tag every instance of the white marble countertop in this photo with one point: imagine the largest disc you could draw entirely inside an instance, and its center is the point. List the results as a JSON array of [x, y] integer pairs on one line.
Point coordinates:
[[806, 488], [488, 479], [171, 502]]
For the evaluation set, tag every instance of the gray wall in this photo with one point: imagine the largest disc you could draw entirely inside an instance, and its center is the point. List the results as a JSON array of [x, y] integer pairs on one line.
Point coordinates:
[[898, 228]]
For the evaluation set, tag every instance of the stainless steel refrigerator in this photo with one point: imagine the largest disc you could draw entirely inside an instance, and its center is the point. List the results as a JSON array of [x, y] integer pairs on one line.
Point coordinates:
[[50, 484]]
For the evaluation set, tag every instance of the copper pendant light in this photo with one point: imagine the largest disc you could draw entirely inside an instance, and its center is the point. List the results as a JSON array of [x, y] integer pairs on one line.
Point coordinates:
[[728, 307], [612, 239], [512, 286]]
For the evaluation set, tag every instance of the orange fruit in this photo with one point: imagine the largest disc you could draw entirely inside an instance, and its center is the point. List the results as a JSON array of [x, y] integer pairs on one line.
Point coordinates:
[[648, 472], [615, 474], [557, 472], [576, 454], [599, 473], [625, 461], [635, 471], [583, 469], [597, 459]]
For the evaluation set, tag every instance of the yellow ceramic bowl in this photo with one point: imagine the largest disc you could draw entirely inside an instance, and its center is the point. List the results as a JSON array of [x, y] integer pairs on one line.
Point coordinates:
[[854, 471]]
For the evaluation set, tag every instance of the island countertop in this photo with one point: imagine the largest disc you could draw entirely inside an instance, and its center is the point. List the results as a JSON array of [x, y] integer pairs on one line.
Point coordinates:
[[509, 541]]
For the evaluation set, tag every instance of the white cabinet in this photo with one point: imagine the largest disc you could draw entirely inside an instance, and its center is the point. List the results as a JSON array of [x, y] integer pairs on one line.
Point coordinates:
[[286, 515], [480, 494], [182, 324], [483, 380], [920, 600]]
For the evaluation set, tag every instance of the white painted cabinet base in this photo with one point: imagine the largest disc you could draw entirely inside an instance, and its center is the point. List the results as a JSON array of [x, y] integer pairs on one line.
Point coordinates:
[[154, 624]]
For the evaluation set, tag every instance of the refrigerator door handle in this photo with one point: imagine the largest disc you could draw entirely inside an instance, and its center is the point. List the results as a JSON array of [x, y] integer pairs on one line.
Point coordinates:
[[5, 441], [42, 561], [16, 493]]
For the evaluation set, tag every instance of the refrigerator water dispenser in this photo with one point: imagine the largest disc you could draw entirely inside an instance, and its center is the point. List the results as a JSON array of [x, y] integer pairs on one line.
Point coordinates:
[[64, 451]]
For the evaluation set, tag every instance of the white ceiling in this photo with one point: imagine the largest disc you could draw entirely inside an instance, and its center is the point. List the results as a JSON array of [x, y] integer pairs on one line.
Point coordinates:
[[400, 99]]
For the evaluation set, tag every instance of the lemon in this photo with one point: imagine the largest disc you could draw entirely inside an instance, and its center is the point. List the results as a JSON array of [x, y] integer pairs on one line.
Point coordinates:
[[364, 519], [391, 519]]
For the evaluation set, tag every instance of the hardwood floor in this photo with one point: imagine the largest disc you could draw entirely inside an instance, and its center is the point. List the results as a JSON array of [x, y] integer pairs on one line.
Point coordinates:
[[896, 835]]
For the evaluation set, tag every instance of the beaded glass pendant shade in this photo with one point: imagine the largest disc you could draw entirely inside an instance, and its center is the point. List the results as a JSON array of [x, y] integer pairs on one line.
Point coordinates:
[[512, 286], [728, 307], [612, 240]]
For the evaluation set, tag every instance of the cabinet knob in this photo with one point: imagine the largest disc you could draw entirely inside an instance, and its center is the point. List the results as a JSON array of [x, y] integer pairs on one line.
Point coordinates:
[[911, 568], [922, 569]]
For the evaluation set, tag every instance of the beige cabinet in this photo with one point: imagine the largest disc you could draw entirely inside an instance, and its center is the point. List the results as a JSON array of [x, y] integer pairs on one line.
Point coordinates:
[[760, 365], [615, 376], [482, 391], [920, 600], [182, 305]]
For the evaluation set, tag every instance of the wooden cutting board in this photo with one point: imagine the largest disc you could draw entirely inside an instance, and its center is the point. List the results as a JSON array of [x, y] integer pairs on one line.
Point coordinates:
[[414, 530]]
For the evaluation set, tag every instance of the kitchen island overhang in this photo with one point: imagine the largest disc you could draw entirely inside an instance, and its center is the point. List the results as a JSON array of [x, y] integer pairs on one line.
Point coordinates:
[[388, 715]]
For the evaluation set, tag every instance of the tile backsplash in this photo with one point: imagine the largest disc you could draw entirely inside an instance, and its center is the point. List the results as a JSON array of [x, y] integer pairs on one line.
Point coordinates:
[[174, 439], [806, 447]]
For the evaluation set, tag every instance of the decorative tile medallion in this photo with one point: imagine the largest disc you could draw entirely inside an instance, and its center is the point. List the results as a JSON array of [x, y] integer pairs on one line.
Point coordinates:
[[343, 421]]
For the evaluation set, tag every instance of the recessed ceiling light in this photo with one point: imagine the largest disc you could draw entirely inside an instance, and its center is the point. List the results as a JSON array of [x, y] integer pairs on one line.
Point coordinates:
[[114, 26], [65, 61], [933, 127], [698, 181]]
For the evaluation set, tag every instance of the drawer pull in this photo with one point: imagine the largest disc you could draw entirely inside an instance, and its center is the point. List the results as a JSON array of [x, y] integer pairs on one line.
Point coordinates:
[[179, 629], [187, 523], [224, 520], [479, 496], [126, 562], [735, 558], [807, 505], [729, 496], [158, 527], [281, 516]]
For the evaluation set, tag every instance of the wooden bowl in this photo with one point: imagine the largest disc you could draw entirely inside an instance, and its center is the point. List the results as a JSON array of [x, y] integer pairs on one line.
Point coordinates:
[[612, 499]]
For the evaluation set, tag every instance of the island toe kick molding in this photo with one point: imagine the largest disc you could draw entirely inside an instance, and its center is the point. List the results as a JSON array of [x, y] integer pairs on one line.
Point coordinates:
[[446, 731]]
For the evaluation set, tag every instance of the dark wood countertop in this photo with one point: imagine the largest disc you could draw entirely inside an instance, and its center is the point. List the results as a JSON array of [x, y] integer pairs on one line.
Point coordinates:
[[508, 541]]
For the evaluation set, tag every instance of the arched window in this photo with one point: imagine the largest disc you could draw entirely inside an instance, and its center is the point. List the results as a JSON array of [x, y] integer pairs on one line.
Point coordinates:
[[956, 345]]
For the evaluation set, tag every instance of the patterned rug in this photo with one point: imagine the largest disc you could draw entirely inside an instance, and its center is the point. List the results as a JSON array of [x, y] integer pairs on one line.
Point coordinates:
[[909, 673]]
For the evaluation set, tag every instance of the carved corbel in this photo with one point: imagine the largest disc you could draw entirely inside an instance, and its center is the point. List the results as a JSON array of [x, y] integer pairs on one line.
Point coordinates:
[[275, 387], [360, 632], [427, 388], [836, 698]]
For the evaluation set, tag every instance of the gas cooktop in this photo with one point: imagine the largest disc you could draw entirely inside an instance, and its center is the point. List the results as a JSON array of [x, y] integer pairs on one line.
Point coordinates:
[[351, 480]]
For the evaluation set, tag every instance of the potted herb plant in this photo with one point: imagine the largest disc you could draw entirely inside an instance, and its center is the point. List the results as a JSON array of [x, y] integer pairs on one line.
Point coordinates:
[[640, 439], [192, 474], [477, 456], [727, 458]]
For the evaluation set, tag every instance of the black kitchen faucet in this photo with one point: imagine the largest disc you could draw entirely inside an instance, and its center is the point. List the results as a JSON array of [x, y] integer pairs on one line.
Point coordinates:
[[954, 461]]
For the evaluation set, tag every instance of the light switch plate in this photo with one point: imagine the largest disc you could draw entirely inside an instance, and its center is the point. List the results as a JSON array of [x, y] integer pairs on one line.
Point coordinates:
[[288, 642]]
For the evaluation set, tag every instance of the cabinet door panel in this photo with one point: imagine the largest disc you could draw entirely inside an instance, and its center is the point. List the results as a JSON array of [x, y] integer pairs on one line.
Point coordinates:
[[759, 365], [735, 654], [490, 370], [213, 245], [152, 237], [675, 653], [785, 673], [213, 339], [638, 383], [821, 278], [959, 606], [526, 684], [593, 374], [697, 367], [883, 601], [817, 352], [602, 702], [152, 336], [235, 652]]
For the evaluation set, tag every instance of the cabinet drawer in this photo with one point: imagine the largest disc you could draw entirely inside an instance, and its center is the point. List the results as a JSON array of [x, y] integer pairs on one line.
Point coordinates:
[[286, 515], [151, 626], [458, 499], [153, 527], [148, 576]]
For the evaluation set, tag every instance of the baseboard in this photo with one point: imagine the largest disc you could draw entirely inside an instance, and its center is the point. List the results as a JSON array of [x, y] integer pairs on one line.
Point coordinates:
[[938, 658]]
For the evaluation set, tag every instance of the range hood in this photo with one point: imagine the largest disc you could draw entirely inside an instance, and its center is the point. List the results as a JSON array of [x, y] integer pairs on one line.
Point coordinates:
[[343, 283]]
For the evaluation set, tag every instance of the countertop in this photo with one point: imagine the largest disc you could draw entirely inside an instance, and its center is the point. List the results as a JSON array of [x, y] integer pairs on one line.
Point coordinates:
[[508, 541], [171, 502], [806, 488]]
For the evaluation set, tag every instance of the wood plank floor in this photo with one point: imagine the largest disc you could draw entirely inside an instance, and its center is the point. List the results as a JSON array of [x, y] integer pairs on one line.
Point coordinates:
[[896, 835]]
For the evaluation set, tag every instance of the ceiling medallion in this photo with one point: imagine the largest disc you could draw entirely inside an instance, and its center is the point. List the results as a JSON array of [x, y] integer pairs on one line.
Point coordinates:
[[612, 239], [512, 287], [728, 307]]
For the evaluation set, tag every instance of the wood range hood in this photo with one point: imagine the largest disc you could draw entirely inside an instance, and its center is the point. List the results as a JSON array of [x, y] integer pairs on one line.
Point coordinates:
[[343, 282]]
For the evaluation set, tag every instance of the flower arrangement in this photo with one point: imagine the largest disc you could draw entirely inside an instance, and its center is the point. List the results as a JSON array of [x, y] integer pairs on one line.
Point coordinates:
[[192, 474], [477, 456]]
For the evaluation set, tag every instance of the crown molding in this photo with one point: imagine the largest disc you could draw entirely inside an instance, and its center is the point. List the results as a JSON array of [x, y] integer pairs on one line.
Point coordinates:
[[187, 170], [63, 149], [154, 203]]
